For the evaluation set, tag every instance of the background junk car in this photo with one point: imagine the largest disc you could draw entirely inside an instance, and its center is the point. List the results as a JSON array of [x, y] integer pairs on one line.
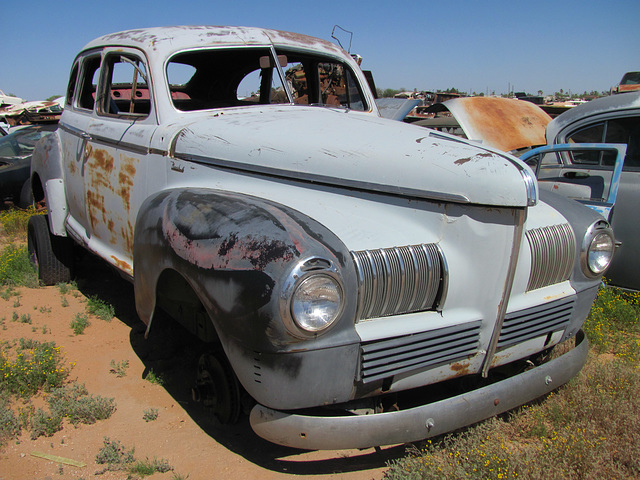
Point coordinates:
[[341, 266], [16, 149], [609, 120]]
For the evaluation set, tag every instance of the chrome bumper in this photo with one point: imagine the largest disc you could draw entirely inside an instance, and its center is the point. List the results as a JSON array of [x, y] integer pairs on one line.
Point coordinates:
[[363, 431]]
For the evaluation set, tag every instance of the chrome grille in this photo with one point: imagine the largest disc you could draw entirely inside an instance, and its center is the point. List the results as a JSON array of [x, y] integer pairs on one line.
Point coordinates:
[[536, 321], [553, 252], [398, 280], [385, 358]]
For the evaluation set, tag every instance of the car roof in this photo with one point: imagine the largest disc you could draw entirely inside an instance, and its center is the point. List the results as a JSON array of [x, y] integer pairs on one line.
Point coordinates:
[[612, 103], [167, 40]]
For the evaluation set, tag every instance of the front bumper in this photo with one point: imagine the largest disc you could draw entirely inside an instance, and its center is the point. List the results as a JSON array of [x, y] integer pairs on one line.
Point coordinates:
[[363, 431]]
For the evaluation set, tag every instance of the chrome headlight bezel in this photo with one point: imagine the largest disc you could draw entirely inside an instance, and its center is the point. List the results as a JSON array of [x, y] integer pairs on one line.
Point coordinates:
[[305, 272], [598, 235]]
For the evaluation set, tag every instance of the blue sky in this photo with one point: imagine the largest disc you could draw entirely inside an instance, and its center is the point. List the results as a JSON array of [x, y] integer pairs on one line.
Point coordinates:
[[481, 46]]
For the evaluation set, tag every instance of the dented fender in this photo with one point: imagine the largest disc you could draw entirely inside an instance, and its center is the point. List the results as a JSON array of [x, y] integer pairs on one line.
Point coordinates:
[[236, 252]]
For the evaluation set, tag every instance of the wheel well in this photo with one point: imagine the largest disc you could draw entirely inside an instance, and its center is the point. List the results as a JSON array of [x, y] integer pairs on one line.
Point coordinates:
[[176, 297], [36, 188]]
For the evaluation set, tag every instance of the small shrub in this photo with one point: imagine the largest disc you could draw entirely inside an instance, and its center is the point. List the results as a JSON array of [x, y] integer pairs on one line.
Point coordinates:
[[9, 423], [153, 378], [33, 366], [14, 221], [25, 318], [119, 369], [64, 302], [79, 323], [114, 455], [16, 302], [150, 414], [147, 467], [100, 308], [45, 424], [45, 309], [15, 267], [74, 402]]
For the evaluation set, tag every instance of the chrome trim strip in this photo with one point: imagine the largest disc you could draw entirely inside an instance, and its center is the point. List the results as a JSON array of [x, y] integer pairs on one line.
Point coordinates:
[[129, 147], [518, 232]]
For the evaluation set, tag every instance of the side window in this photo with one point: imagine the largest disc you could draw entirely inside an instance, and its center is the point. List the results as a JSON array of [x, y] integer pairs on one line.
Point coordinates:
[[89, 82], [338, 87], [125, 91], [591, 134], [71, 88], [626, 130]]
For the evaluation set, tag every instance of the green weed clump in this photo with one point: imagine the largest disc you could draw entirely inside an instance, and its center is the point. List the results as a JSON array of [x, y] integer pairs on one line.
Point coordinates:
[[74, 403], [117, 457], [79, 323], [587, 429], [15, 267], [100, 308], [14, 221], [30, 366]]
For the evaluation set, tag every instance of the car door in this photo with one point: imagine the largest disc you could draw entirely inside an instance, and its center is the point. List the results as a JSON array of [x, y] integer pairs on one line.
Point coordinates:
[[115, 155], [621, 126]]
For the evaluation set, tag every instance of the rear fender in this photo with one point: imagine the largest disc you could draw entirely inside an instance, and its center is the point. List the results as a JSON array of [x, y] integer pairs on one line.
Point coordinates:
[[47, 170]]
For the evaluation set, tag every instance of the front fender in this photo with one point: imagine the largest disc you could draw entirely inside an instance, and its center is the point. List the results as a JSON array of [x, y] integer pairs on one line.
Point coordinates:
[[236, 251]]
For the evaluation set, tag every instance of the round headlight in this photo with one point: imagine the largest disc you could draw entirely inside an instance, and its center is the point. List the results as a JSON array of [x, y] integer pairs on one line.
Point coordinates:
[[600, 252], [316, 303]]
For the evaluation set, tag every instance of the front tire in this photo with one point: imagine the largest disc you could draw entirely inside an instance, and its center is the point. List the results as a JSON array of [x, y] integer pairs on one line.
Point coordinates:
[[52, 256]]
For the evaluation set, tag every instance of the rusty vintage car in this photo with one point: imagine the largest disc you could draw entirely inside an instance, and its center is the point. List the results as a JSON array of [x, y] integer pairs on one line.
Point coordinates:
[[366, 282]]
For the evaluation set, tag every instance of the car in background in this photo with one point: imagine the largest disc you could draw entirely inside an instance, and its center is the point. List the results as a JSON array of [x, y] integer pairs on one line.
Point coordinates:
[[15, 162], [611, 120], [630, 83]]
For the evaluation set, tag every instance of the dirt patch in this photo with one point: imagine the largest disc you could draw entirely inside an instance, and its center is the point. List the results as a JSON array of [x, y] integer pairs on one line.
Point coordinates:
[[184, 434]]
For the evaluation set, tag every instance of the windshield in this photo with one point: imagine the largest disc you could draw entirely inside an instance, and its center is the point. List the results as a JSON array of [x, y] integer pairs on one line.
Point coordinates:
[[231, 77]]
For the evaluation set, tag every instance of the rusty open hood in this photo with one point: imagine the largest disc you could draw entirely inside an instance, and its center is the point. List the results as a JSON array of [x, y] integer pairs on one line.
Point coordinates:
[[357, 151], [504, 123]]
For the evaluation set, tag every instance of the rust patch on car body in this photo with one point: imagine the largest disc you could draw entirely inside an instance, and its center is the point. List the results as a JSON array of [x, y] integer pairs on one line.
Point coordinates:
[[122, 265], [460, 368]]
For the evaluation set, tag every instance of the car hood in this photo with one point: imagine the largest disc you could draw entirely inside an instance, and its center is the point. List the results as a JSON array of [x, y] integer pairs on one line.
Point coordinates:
[[358, 151], [503, 123]]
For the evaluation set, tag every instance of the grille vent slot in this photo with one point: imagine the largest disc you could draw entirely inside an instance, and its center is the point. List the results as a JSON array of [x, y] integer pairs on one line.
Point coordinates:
[[398, 280], [384, 358], [536, 321], [553, 253]]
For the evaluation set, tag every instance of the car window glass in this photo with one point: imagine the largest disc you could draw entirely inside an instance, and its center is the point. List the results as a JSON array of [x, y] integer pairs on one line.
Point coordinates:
[[21, 142], [72, 85], [590, 134], [626, 130], [89, 82], [126, 92], [220, 78]]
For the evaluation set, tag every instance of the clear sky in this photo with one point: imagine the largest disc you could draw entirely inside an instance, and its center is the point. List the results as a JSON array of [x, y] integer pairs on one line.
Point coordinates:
[[472, 45]]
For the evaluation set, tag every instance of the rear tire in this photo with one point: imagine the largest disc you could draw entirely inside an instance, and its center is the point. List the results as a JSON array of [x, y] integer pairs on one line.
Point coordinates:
[[52, 256], [26, 196]]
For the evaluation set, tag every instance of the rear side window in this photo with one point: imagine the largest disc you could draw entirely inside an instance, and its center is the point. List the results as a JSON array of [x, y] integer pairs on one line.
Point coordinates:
[[88, 82], [624, 130]]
